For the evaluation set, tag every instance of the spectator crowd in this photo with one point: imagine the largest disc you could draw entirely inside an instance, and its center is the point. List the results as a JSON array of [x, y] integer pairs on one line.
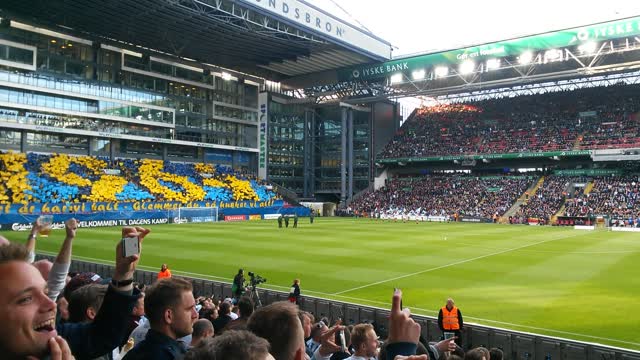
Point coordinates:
[[49, 313], [549, 198], [617, 196], [595, 118], [440, 195], [60, 178], [456, 196]]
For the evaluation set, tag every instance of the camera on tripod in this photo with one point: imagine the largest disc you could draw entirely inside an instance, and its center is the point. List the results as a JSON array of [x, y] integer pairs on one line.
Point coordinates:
[[256, 279]]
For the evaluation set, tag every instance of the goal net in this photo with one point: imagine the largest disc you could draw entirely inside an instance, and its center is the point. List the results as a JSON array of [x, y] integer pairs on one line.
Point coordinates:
[[194, 215]]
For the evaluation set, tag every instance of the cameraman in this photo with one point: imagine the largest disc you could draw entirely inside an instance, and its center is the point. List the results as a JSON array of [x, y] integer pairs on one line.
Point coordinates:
[[237, 289]]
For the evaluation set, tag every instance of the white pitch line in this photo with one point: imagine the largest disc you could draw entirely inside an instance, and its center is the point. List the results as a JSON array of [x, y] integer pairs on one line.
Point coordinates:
[[447, 265], [104, 262], [557, 252]]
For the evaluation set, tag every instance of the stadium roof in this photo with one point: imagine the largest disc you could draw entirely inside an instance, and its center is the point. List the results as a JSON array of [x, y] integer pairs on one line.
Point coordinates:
[[275, 38], [598, 49]]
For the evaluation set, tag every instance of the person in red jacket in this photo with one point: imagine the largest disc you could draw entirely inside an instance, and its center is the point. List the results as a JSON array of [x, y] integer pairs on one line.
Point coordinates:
[[164, 273], [450, 321]]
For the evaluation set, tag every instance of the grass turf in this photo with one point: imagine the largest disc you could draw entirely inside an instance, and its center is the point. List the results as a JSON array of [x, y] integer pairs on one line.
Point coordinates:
[[547, 280]]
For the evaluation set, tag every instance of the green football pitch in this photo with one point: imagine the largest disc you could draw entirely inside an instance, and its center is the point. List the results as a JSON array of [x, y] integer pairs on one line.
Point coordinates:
[[555, 281]]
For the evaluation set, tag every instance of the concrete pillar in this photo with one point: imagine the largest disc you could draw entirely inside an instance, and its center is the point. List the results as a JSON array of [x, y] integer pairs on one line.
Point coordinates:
[[92, 143], [350, 154], [23, 141], [307, 154], [343, 163]]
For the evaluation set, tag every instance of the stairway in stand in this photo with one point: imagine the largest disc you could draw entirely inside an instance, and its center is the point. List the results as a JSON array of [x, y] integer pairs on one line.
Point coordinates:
[[521, 200]]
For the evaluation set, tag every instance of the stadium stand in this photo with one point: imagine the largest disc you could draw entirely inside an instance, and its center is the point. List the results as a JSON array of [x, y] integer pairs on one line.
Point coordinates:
[[60, 178], [445, 195], [596, 118], [617, 196], [549, 198]]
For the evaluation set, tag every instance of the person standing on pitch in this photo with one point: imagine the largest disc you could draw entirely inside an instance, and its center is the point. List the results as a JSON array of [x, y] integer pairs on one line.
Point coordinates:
[[450, 321], [311, 215], [294, 293], [286, 221], [280, 222], [295, 220]]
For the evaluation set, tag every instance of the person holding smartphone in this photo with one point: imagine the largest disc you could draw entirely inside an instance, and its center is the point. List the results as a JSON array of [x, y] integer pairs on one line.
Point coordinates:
[[450, 321], [28, 315]]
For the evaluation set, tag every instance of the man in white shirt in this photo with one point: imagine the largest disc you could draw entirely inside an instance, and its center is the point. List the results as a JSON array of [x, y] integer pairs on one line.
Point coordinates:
[[365, 342]]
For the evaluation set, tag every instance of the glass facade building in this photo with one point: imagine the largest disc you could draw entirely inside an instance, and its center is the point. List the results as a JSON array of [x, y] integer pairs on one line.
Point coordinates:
[[319, 151], [62, 93], [67, 94]]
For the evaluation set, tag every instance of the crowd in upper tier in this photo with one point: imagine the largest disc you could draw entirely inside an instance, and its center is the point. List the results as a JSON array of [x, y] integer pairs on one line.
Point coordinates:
[[595, 118], [60, 178]]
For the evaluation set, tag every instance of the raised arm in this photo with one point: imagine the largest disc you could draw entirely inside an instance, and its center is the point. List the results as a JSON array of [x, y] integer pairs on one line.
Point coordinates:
[[31, 240], [88, 341], [60, 269]]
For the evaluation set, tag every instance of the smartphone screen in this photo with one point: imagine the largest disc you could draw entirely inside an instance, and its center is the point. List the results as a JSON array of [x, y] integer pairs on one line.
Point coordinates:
[[130, 246]]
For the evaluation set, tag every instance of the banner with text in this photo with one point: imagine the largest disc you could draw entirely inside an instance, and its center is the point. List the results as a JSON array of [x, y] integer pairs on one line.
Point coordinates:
[[100, 207], [629, 28], [313, 19], [524, 155]]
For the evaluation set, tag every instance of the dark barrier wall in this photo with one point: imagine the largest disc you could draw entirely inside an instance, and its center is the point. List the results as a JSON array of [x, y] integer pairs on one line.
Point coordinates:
[[516, 345]]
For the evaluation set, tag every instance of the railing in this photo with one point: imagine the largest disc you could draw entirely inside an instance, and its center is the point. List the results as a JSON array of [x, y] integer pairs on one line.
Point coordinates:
[[516, 345]]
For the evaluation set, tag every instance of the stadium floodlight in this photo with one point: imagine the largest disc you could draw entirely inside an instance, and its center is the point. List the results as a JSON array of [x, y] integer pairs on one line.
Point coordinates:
[[396, 78], [467, 67], [552, 55], [226, 76], [418, 74], [493, 64], [525, 58], [588, 48], [442, 71]]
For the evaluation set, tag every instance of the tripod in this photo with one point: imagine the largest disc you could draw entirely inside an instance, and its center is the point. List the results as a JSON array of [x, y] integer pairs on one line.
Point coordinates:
[[253, 294]]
